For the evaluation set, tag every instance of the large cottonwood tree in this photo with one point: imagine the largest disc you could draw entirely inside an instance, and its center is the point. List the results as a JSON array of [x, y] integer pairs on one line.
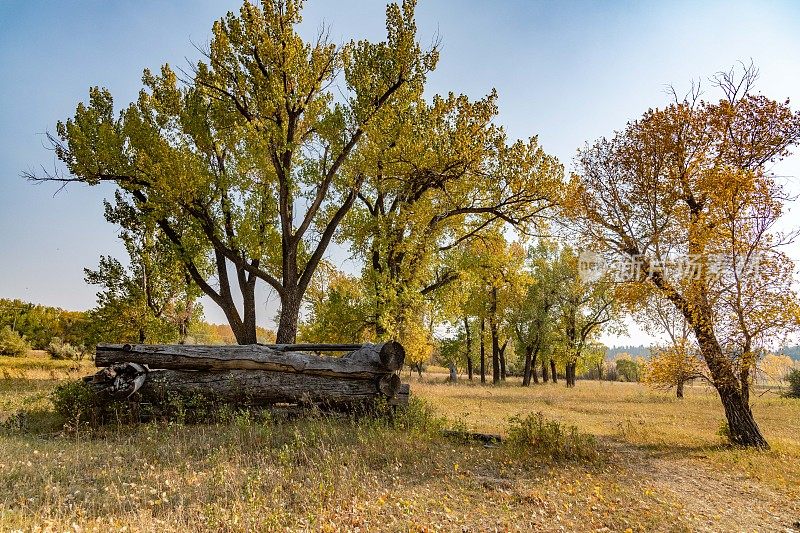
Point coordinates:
[[244, 162], [686, 193]]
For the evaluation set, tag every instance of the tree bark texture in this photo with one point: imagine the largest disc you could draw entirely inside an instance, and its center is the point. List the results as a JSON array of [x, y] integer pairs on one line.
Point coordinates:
[[243, 387], [526, 372], [368, 361]]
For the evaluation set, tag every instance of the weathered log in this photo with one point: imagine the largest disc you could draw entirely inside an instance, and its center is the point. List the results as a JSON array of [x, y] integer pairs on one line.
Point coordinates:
[[367, 362], [244, 387], [402, 395], [313, 347]]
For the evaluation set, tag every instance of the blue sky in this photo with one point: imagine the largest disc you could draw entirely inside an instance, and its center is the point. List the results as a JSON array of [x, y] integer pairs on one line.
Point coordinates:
[[568, 72]]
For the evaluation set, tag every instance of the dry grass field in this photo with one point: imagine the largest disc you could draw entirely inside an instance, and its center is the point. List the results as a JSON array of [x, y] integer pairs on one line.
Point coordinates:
[[657, 464]]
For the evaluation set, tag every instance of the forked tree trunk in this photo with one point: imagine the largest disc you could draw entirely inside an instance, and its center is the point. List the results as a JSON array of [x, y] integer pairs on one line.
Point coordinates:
[[526, 372], [569, 372], [248, 333], [742, 426]]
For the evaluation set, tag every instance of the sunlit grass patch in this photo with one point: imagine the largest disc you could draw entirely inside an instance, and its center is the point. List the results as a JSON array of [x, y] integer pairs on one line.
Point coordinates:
[[241, 470]]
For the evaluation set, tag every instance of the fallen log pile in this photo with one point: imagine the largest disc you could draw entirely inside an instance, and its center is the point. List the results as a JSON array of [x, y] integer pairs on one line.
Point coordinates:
[[251, 375]]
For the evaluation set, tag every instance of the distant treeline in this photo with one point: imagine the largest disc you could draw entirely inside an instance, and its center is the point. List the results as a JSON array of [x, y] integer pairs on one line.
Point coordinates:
[[40, 324], [644, 351], [635, 351]]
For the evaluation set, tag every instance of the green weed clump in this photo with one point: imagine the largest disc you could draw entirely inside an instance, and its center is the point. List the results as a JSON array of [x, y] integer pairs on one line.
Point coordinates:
[[548, 440], [12, 343], [77, 403], [419, 416]]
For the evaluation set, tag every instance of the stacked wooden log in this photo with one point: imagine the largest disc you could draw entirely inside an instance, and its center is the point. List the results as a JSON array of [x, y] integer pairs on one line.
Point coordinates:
[[253, 374]]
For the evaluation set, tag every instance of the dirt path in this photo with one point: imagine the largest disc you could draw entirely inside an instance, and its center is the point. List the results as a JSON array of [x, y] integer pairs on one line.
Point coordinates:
[[710, 499]]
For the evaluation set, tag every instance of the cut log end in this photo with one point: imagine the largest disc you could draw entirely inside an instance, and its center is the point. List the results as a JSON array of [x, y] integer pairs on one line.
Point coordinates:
[[392, 355], [389, 385]]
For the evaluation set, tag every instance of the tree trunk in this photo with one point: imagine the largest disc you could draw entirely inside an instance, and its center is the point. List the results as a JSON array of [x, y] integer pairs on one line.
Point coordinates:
[[534, 357], [290, 312], [247, 284], [679, 389], [545, 372], [503, 361], [553, 370], [243, 329], [469, 347], [483, 351], [495, 355], [744, 380], [742, 427], [495, 337], [453, 373], [569, 373], [526, 372]]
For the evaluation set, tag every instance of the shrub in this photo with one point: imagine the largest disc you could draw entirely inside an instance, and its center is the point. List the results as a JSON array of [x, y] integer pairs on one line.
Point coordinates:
[[548, 440], [59, 349], [419, 416], [77, 403], [12, 343], [794, 383]]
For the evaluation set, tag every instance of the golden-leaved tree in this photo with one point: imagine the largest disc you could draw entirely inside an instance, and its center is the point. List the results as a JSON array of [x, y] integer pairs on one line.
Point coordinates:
[[677, 361], [440, 175], [684, 196]]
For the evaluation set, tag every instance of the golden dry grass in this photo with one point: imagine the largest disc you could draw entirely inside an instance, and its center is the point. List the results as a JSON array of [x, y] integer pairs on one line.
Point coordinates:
[[635, 414], [246, 473]]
